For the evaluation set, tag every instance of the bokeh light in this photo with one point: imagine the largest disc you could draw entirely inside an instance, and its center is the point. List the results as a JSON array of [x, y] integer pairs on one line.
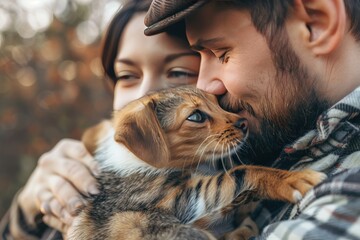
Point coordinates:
[[1, 40], [50, 73], [26, 76], [67, 70], [109, 10], [87, 32], [5, 20], [39, 19]]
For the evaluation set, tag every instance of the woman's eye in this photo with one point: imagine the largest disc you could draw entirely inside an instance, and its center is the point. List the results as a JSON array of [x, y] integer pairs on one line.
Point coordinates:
[[181, 74], [126, 77], [197, 116]]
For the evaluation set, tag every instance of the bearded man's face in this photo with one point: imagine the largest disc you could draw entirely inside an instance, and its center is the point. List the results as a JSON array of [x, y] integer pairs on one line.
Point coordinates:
[[269, 87]]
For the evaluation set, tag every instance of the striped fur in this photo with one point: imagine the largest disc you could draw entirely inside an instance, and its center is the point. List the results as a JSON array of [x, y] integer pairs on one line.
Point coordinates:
[[151, 186]]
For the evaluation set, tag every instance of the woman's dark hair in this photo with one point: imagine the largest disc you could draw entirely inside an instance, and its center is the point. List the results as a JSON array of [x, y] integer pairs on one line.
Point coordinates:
[[115, 30]]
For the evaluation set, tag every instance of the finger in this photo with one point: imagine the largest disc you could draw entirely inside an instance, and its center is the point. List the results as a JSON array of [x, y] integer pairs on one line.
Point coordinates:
[[59, 212], [73, 172], [76, 150], [56, 208], [79, 176], [43, 199], [75, 205], [66, 217], [55, 223], [66, 194]]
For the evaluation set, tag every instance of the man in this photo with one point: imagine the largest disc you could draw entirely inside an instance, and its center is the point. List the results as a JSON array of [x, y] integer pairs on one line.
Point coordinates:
[[292, 68]]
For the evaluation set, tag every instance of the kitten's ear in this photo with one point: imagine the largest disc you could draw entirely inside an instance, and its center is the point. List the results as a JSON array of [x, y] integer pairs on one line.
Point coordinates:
[[93, 135], [137, 127]]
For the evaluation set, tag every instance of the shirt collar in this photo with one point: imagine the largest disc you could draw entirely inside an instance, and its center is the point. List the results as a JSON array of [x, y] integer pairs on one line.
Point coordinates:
[[334, 126]]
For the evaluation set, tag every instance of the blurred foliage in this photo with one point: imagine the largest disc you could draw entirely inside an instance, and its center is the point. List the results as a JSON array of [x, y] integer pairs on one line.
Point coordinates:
[[51, 80]]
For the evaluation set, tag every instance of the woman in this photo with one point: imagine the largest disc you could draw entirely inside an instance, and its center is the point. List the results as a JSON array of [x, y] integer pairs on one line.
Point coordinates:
[[135, 64]]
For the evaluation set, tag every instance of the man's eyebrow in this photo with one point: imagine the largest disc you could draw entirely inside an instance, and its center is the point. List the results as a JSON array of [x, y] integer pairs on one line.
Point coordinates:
[[172, 57], [201, 44]]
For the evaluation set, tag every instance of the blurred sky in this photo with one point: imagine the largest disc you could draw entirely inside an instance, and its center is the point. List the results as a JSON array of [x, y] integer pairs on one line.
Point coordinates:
[[51, 80]]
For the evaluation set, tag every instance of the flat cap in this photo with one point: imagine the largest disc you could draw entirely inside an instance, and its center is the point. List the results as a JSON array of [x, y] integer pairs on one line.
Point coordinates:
[[163, 13]]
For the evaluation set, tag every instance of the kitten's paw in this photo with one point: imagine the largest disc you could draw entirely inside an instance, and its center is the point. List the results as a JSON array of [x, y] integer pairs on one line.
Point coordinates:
[[298, 183]]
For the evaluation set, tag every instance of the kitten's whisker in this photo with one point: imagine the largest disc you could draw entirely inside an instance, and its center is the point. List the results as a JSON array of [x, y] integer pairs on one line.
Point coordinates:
[[229, 159], [199, 148], [183, 166], [237, 147], [222, 159], [213, 160], [230, 155], [213, 140], [246, 145]]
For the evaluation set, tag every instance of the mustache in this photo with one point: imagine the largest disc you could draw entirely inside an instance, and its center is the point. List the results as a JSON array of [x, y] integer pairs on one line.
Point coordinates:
[[234, 105]]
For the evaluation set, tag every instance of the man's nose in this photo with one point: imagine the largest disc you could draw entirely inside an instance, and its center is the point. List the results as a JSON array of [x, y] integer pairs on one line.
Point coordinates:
[[210, 79]]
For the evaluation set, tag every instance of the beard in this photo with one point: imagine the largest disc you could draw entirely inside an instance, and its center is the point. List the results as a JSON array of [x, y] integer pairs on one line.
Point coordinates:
[[287, 111], [264, 146]]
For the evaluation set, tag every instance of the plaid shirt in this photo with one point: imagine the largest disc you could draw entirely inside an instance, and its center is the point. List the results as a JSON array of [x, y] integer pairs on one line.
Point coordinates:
[[332, 209]]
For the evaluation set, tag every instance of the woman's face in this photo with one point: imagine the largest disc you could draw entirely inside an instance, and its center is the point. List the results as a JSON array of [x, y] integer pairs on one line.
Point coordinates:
[[149, 63]]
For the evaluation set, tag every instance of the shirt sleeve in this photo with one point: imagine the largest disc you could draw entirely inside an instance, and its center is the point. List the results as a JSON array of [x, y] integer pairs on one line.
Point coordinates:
[[14, 226], [330, 211]]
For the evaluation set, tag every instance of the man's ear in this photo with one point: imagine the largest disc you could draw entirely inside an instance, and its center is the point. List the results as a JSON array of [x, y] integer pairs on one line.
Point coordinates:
[[326, 21], [137, 127]]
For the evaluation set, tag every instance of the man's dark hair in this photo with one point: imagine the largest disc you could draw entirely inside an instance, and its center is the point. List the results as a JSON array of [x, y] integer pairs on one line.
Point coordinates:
[[269, 16], [353, 13]]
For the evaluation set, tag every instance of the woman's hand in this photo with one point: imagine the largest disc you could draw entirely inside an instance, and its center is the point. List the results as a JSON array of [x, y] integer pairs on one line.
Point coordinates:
[[57, 184]]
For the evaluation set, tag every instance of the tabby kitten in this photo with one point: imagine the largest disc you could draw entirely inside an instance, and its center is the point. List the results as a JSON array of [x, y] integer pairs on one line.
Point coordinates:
[[150, 184]]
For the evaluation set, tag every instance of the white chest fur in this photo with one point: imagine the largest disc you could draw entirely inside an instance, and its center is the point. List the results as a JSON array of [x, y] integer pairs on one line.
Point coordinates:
[[114, 156]]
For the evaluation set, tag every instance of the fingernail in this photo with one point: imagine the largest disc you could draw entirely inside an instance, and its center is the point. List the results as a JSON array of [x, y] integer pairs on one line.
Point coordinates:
[[45, 208], [93, 190], [75, 204], [96, 170], [67, 217], [80, 151]]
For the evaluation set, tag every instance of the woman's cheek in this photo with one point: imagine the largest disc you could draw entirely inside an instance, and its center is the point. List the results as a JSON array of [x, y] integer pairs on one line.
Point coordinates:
[[121, 98]]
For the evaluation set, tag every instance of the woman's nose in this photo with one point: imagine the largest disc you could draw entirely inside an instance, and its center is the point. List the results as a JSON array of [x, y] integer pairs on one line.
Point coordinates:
[[150, 83]]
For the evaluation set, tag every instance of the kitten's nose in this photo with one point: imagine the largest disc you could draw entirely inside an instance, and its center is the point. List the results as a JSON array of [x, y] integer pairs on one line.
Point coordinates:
[[242, 124]]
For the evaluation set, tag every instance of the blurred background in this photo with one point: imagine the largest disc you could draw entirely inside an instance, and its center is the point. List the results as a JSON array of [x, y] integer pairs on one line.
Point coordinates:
[[51, 80]]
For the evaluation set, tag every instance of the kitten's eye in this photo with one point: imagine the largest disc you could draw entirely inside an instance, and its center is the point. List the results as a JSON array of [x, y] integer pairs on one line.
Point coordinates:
[[197, 116]]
